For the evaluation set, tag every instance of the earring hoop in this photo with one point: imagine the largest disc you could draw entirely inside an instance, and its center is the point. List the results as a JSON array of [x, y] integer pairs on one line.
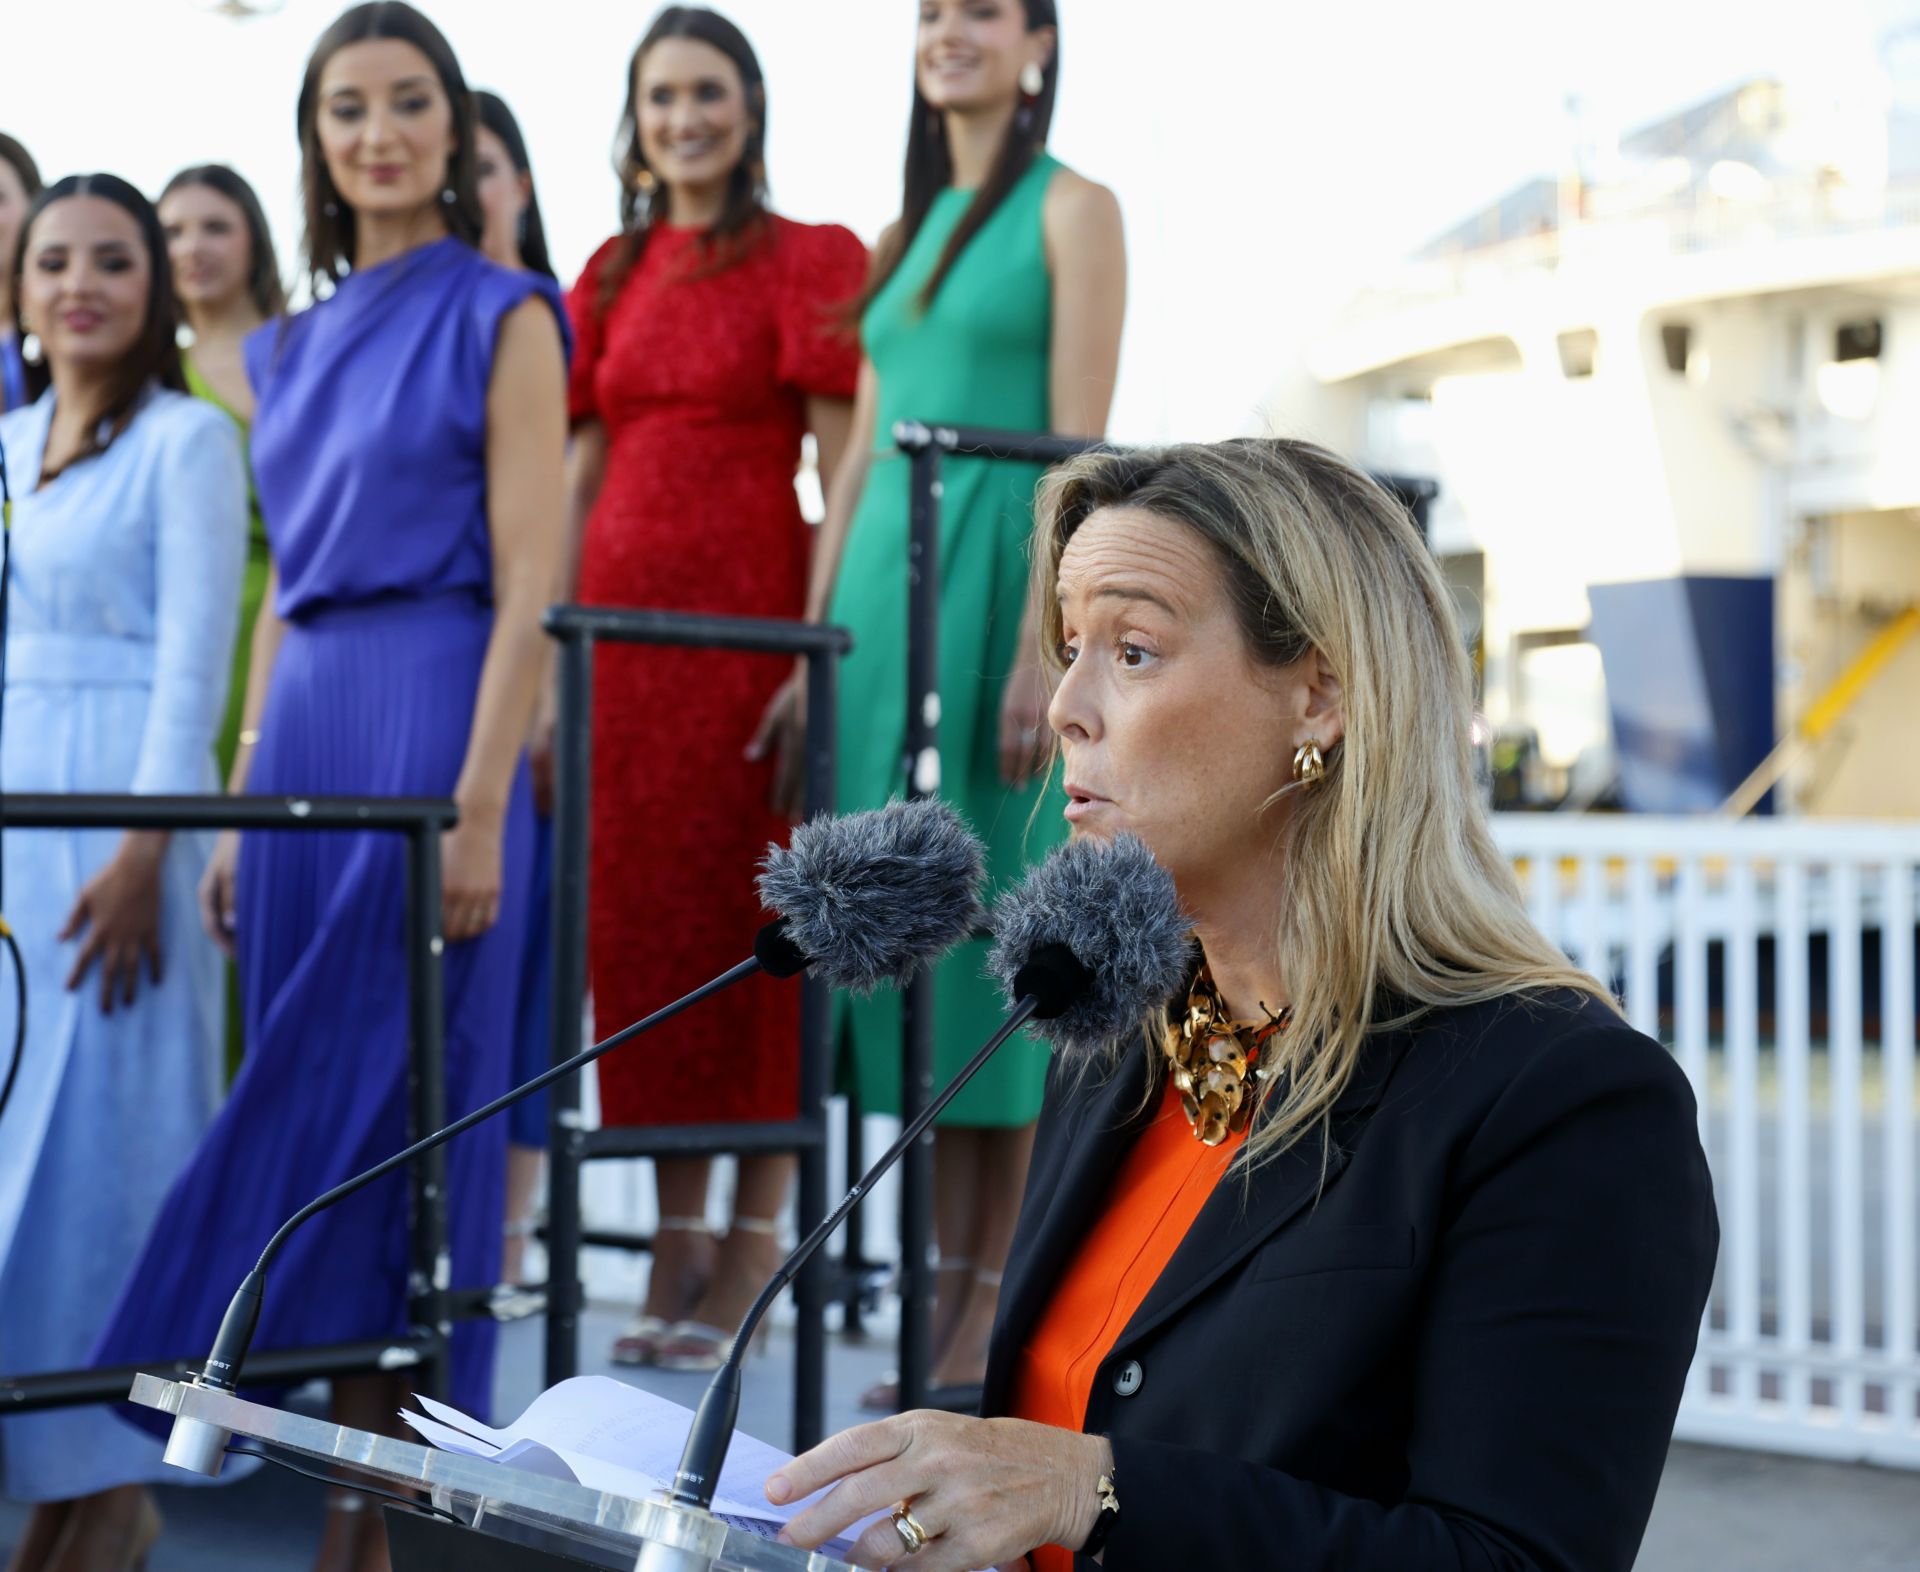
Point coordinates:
[[1309, 763]]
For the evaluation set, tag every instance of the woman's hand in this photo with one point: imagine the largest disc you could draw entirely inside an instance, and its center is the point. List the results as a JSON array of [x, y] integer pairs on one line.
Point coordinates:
[[118, 910], [783, 732], [216, 891], [470, 873], [1025, 741], [985, 1490]]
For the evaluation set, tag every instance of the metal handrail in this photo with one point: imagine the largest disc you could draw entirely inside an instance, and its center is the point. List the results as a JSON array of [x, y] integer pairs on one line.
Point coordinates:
[[577, 629], [430, 1301]]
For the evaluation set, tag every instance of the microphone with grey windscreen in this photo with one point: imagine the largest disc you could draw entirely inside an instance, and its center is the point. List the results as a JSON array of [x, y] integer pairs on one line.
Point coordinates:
[[1086, 947], [1096, 934], [864, 899]]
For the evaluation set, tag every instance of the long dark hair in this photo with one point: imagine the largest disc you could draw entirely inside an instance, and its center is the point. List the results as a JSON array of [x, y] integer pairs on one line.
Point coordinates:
[[743, 218], [498, 119], [155, 355], [23, 165], [268, 294], [930, 169], [330, 222]]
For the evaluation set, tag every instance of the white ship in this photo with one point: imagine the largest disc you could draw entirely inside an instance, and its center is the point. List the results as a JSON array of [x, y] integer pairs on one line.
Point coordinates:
[[1672, 400]]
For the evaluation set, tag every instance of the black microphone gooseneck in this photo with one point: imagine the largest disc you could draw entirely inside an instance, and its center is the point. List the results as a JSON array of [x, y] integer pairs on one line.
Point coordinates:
[[1091, 941], [236, 1327], [1087, 945], [1056, 979], [863, 899]]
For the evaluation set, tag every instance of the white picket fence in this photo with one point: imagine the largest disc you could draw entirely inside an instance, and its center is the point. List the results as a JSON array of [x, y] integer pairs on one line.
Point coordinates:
[[1806, 1088]]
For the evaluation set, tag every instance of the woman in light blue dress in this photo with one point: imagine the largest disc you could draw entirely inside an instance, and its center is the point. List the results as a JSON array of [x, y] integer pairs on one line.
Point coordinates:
[[129, 533]]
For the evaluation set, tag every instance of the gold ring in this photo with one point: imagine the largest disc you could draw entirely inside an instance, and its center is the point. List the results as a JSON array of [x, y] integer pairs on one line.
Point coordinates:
[[907, 1526]]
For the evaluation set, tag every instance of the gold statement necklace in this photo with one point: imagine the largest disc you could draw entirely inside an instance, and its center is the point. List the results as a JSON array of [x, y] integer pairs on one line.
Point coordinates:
[[1215, 1061]]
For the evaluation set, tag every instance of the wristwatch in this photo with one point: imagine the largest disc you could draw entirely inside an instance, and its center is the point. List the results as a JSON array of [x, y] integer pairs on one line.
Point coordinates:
[[1107, 1516]]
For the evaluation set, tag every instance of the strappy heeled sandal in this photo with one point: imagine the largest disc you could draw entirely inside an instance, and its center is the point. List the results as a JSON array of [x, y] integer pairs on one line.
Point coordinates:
[[639, 1343], [696, 1347], [964, 1396], [883, 1397]]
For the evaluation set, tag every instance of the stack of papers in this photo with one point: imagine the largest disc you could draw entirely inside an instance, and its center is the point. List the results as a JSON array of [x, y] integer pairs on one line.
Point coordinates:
[[622, 1441]]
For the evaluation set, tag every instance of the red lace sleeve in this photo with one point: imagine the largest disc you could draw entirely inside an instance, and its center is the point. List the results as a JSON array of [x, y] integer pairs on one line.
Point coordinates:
[[589, 331], [823, 268]]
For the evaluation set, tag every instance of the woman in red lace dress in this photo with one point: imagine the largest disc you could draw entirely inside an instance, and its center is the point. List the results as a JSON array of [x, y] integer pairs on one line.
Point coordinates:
[[708, 346]]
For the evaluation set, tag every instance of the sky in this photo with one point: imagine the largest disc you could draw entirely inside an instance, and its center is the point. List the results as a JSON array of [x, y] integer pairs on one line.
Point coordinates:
[[1268, 157]]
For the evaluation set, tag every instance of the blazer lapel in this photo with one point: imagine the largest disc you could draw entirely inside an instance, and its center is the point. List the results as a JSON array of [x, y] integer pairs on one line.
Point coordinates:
[[1072, 1176], [1243, 1214]]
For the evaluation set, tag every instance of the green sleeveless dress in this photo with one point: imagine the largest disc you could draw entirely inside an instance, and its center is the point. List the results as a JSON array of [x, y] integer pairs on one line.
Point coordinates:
[[980, 355], [253, 587], [253, 590]]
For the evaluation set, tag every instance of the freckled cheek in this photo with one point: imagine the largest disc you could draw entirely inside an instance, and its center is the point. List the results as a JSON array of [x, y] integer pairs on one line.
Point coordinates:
[[1162, 745]]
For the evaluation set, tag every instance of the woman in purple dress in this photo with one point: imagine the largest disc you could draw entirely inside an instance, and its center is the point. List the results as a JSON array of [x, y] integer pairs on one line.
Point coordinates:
[[408, 449]]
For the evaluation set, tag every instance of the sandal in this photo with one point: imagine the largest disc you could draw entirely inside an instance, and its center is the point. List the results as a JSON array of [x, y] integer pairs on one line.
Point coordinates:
[[639, 1344], [695, 1346], [883, 1397]]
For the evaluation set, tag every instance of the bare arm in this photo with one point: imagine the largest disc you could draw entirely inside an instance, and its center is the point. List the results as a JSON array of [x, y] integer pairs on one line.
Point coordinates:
[[268, 631], [831, 422], [586, 471], [526, 449], [845, 436], [1087, 262], [526, 488], [1087, 259], [844, 481]]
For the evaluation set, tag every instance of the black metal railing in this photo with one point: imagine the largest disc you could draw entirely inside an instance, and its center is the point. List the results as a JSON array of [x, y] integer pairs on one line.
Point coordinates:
[[433, 1305], [579, 629], [927, 447]]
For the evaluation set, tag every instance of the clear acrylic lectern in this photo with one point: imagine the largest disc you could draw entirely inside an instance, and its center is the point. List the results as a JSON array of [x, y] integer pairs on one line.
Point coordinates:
[[548, 1522]]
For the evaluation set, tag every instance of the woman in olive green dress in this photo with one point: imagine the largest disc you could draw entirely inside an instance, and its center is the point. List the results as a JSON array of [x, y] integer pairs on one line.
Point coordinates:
[[228, 281], [996, 300]]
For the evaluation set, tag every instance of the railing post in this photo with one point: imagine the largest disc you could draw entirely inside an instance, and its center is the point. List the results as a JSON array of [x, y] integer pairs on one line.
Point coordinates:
[[572, 782], [920, 763], [816, 1026], [432, 1267]]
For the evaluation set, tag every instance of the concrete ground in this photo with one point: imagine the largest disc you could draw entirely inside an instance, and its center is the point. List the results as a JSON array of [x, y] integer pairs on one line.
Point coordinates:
[[1718, 1510]]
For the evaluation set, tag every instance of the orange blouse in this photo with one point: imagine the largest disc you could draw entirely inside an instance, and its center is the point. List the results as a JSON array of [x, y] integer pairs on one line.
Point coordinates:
[[1156, 1195]]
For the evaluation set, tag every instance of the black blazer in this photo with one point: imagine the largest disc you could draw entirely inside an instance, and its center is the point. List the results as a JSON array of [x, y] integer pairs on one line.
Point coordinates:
[[1467, 1353]]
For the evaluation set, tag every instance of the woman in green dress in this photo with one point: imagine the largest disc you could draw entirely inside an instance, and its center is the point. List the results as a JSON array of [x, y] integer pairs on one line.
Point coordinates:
[[996, 300], [228, 282]]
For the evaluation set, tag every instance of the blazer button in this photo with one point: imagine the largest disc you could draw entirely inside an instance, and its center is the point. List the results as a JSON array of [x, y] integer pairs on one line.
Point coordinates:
[[1127, 1379]]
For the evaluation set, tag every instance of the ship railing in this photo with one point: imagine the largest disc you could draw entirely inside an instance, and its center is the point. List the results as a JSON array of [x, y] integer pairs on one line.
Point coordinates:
[[1776, 961]]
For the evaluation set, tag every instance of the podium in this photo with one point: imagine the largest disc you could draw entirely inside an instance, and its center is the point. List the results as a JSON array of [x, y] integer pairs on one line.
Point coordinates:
[[507, 1519]]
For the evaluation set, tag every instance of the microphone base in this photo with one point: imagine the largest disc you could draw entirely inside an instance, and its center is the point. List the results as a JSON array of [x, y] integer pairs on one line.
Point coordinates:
[[657, 1557], [197, 1446]]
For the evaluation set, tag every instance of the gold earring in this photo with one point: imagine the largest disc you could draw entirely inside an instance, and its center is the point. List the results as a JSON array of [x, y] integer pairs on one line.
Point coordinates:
[[643, 180], [1309, 764]]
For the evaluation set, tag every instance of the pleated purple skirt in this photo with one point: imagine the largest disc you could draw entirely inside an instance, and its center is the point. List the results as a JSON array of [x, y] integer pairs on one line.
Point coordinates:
[[373, 700]]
